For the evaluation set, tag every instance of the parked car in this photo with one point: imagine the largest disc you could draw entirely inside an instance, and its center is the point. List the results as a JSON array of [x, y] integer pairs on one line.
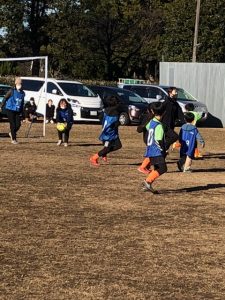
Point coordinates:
[[85, 104], [132, 105], [3, 90], [152, 93]]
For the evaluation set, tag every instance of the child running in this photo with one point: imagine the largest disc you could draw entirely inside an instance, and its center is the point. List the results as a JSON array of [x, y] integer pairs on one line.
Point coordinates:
[[147, 116], [188, 137], [110, 134], [156, 147], [190, 108]]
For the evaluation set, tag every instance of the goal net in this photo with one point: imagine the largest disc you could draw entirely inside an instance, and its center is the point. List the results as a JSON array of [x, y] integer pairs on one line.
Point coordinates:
[[42, 100]]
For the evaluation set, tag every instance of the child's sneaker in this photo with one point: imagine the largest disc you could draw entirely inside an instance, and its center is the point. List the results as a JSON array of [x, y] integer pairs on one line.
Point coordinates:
[[14, 142], [65, 144], [94, 161], [105, 159], [188, 170], [59, 143], [148, 186], [199, 155], [143, 170]]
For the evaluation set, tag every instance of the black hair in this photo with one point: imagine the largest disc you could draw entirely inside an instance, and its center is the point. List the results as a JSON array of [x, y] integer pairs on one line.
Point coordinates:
[[189, 107], [111, 101], [63, 100], [150, 106], [158, 108], [170, 89], [189, 117]]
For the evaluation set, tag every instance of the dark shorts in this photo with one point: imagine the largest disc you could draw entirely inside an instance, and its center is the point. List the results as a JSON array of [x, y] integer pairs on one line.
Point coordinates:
[[157, 160]]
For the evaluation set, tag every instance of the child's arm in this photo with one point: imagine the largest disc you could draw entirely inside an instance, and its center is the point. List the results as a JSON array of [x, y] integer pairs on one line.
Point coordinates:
[[6, 97], [144, 122], [159, 136], [200, 139]]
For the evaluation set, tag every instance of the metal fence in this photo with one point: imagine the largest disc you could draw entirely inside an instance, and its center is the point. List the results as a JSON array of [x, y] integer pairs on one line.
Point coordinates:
[[205, 81]]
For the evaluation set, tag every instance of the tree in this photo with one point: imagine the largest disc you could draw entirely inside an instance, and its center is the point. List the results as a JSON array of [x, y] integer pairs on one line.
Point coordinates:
[[24, 23], [177, 40]]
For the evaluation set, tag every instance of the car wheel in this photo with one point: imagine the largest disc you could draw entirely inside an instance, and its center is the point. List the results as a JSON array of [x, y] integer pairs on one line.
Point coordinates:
[[124, 119]]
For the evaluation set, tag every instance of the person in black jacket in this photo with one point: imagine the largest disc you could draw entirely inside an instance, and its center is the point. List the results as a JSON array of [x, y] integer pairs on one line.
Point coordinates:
[[50, 111], [173, 113], [64, 119], [30, 110]]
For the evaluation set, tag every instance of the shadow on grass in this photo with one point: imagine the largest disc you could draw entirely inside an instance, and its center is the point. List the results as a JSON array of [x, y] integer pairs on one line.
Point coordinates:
[[209, 170], [195, 188], [214, 155], [87, 145]]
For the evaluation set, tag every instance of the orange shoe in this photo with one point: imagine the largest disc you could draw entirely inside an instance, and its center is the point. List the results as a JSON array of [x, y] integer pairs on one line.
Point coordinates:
[[94, 160], [198, 154], [176, 145], [143, 170]]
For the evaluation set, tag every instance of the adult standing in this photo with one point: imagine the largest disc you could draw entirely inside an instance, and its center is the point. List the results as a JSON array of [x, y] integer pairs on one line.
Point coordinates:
[[173, 113], [13, 103]]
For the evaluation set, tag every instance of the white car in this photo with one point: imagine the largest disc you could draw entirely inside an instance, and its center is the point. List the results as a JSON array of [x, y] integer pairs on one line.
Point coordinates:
[[152, 93], [85, 104]]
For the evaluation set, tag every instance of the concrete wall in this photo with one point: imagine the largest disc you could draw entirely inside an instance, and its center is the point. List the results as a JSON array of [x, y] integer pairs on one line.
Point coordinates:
[[205, 81]]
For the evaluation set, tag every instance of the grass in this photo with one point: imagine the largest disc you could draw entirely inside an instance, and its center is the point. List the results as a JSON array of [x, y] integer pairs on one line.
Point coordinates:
[[71, 231]]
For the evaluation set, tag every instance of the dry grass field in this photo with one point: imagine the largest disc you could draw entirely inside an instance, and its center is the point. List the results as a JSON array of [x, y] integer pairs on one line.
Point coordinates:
[[71, 231]]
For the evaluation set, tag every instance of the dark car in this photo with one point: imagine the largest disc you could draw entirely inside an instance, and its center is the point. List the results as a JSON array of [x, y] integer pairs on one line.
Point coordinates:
[[3, 90], [152, 93], [132, 105]]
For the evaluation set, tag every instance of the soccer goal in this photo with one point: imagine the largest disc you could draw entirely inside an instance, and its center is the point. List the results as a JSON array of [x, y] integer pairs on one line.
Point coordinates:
[[45, 58]]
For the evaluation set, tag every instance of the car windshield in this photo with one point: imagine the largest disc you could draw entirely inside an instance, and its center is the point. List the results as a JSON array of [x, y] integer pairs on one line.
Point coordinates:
[[130, 97], [183, 95], [76, 89], [4, 90]]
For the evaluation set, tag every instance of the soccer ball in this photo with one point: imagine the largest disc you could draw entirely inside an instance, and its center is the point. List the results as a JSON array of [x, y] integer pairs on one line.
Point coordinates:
[[61, 127]]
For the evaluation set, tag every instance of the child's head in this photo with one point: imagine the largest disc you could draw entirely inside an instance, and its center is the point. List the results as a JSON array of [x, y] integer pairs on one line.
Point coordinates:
[[50, 102], [63, 103], [158, 108], [111, 101], [32, 100], [18, 83], [189, 107], [189, 117]]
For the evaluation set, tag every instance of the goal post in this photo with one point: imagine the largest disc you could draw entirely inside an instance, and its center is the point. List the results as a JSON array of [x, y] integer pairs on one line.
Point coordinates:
[[45, 58]]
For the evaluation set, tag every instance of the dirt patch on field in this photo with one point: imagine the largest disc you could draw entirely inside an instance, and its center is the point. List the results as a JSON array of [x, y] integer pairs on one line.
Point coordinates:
[[71, 231]]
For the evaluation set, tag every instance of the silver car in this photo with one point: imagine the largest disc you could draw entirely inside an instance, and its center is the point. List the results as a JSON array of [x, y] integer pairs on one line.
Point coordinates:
[[152, 93]]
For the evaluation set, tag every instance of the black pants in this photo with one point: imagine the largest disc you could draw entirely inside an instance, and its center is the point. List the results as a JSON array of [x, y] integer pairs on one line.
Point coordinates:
[[182, 160], [64, 135], [171, 137], [110, 146], [159, 164], [14, 121]]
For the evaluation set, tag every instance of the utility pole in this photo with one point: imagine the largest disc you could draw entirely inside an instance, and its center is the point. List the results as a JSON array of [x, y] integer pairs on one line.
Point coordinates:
[[195, 45]]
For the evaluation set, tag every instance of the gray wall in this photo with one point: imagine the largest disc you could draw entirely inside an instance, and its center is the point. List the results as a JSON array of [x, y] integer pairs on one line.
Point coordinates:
[[205, 81]]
